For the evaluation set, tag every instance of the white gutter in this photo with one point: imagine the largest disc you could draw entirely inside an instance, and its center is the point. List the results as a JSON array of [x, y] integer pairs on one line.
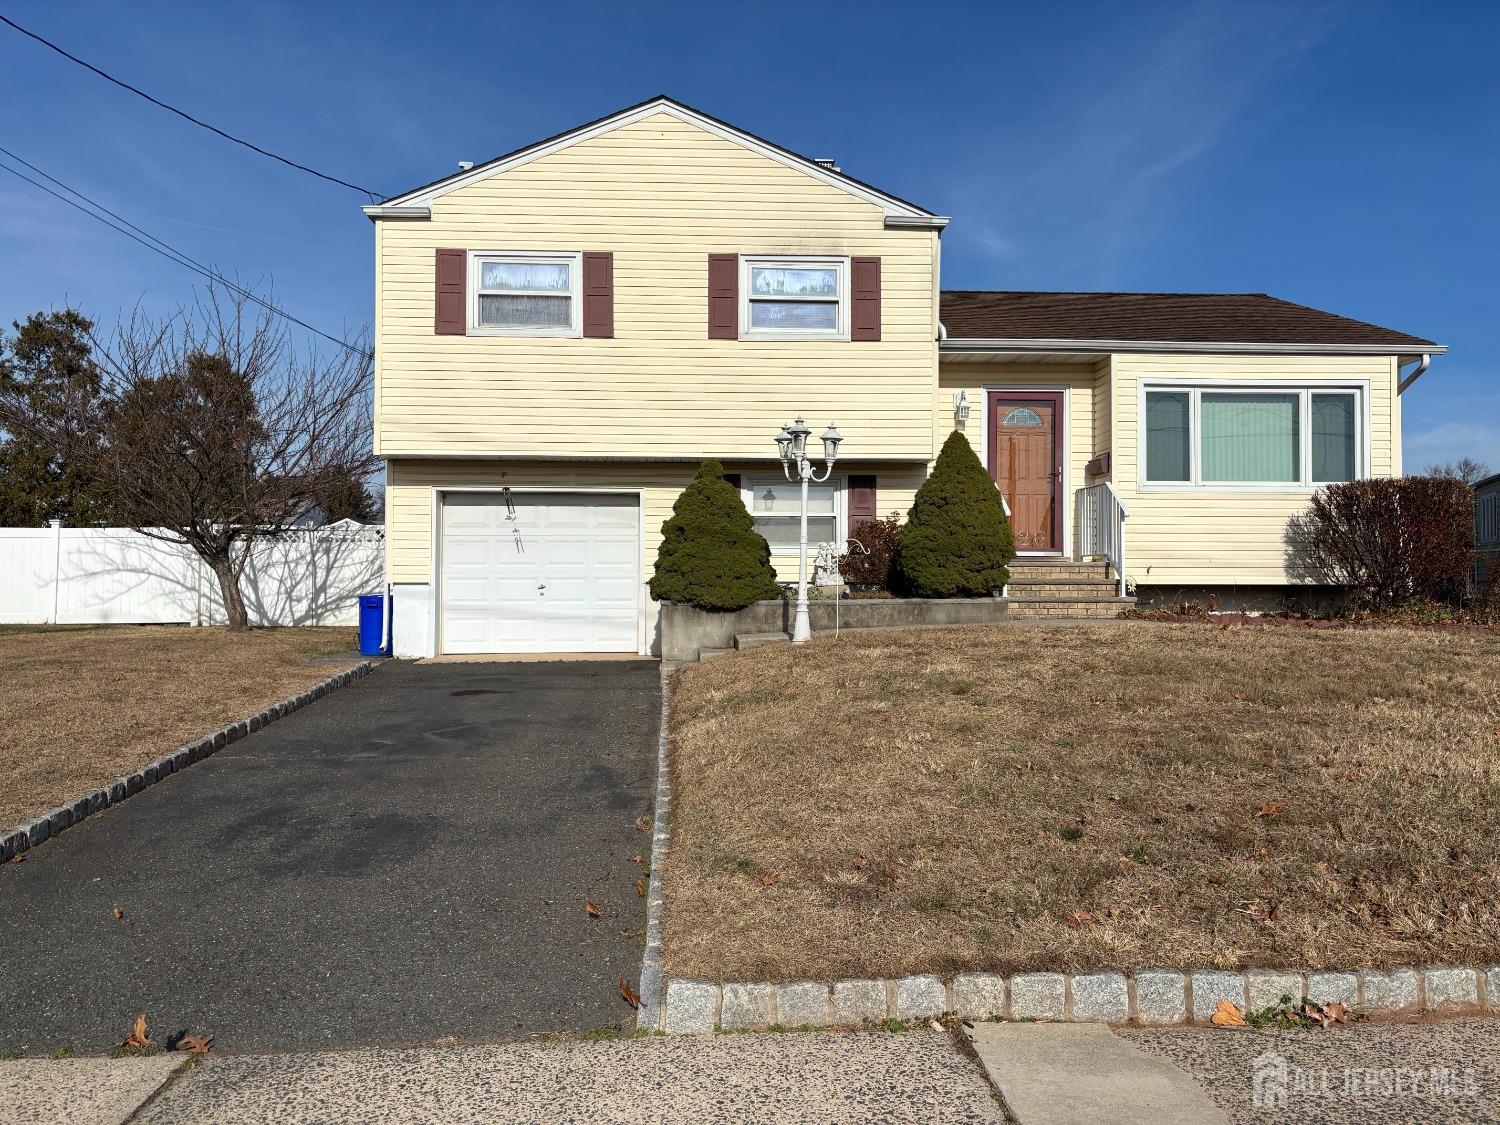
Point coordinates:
[[942, 333], [921, 222], [969, 344], [381, 211], [1416, 374]]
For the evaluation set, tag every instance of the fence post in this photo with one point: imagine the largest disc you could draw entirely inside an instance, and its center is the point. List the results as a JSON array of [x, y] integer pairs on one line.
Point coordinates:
[[56, 567]]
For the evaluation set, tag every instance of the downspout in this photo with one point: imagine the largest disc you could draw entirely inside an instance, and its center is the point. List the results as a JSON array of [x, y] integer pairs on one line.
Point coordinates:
[[1416, 374]]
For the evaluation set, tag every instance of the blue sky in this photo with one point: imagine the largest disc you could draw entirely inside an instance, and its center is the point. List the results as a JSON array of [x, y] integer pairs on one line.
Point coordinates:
[[1343, 155]]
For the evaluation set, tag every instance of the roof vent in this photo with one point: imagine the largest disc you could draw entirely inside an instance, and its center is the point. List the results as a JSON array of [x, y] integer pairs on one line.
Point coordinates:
[[827, 162], [465, 165]]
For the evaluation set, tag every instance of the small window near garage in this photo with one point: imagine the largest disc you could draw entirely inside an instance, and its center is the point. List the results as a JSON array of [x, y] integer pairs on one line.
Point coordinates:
[[795, 298], [525, 294], [775, 506]]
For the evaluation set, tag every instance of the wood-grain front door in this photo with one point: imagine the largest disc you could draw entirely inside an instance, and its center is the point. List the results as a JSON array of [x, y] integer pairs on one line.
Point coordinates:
[[1026, 462]]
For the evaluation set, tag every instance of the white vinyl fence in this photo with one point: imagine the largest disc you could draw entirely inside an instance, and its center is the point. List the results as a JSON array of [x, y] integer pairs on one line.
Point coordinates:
[[89, 576]]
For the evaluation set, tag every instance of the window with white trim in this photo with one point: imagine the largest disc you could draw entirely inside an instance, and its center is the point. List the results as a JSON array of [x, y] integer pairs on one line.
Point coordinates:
[[525, 294], [775, 505], [1216, 436], [794, 298]]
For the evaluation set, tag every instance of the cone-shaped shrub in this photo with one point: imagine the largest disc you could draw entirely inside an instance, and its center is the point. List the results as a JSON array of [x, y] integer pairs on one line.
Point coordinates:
[[957, 542], [711, 555]]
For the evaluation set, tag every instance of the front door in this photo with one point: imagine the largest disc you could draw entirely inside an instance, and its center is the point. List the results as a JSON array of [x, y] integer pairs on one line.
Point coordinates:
[[1026, 462]]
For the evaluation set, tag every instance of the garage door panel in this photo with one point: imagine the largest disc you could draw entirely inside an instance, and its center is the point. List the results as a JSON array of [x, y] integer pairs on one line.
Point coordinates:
[[562, 574]]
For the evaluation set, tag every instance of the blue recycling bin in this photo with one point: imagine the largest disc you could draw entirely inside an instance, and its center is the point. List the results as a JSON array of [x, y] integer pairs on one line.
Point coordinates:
[[372, 625]]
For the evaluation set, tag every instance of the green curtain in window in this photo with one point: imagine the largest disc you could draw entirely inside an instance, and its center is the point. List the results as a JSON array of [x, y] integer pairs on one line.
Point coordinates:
[[1332, 438], [1250, 438], [1167, 456]]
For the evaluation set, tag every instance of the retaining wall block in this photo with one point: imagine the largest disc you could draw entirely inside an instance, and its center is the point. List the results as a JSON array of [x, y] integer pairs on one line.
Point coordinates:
[[1452, 988], [59, 820], [746, 1007], [1392, 991], [37, 830], [859, 1001], [1329, 988], [1160, 996], [803, 1004], [117, 790], [979, 996], [1212, 985], [920, 998], [1100, 997], [1037, 996], [691, 1006], [1492, 986], [1265, 987]]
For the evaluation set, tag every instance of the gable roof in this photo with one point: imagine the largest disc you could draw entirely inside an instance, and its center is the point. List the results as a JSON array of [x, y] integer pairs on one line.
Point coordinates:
[[1035, 319], [895, 207]]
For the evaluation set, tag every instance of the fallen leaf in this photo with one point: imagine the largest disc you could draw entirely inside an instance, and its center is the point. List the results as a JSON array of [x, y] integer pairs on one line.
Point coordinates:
[[118, 913], [769, 879], [643, 824], [637, 860], [640, 886], [195, 1044], [1337, 1012], [1270, 809], [592, 909], [628, 994], [1077, 920], [137, 1036], [1227, 1014]]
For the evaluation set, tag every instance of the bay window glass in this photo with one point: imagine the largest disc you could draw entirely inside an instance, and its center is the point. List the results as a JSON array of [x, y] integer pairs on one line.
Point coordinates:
[[1250, 438], [776, 508], [1334, 443]]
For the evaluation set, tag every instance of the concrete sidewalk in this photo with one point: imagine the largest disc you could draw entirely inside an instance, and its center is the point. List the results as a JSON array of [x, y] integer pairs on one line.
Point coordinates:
[[88, 1091]]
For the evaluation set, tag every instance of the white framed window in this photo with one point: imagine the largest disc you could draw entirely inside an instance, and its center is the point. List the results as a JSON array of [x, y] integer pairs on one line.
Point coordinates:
[[1256, 437], [775, 505], [794, 298], [525, 293]]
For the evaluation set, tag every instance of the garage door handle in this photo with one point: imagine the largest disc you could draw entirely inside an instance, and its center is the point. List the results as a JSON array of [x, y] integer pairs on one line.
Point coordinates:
[[542, 586]]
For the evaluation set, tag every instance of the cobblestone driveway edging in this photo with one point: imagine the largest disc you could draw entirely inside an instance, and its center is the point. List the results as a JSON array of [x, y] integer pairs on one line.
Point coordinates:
[[651, 990], [1147, 996], [30, 833]]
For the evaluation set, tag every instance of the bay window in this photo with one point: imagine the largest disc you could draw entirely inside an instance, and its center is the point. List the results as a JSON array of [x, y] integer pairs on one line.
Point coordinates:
[[1216, 436], [775, 505]]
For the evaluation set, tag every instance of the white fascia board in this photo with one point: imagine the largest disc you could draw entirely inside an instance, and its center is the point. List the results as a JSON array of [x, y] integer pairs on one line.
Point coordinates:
[[389, 211], [891, 205], [1187, 347]]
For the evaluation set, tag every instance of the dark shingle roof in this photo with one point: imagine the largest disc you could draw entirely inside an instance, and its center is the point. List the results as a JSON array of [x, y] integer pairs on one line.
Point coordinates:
[[1218, 318]]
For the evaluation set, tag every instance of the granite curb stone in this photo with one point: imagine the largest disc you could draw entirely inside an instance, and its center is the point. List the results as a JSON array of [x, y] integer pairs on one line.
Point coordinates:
[[979, 996], [30, 833], [1333, 988], [920, 998], [1100, 997], [1038, 996], [860, 1001], [1390, 992], [1453, 987], [1265, 988]]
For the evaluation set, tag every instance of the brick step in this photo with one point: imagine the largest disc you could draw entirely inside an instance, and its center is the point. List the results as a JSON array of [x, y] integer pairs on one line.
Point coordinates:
[[1058, 568], [743, 641], [1066, 607], [1064, 587]]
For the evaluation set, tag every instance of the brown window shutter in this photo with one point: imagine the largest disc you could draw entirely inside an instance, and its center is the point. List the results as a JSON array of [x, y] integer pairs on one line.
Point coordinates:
[[723, 296], [861, 501], [864, 287], [733, 479], [598, 294], [450, 312]]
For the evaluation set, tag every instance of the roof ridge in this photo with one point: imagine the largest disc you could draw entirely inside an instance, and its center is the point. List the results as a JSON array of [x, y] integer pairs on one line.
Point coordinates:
[[1122, 293]]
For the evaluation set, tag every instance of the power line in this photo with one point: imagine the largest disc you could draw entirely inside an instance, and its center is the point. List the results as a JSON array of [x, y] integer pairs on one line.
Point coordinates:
[[151, 242], [374, 195]]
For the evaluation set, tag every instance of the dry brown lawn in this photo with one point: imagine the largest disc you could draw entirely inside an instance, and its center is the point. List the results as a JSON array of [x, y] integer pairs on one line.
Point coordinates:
[[79, 707], [1103, 796]]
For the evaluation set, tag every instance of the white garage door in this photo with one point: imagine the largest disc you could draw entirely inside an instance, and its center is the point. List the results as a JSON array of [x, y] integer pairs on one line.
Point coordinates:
[[539, 572]]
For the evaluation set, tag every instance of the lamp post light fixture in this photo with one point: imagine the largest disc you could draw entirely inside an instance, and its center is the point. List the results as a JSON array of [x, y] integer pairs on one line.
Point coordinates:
[[791, 445]]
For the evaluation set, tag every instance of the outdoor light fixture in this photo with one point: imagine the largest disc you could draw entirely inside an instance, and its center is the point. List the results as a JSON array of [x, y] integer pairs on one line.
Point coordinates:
[[791, 445], [960, 406]]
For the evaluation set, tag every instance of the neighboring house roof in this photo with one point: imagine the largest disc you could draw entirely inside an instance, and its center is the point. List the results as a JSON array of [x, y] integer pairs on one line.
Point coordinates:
[[1038, 318], [1487, 481], [419, 197]]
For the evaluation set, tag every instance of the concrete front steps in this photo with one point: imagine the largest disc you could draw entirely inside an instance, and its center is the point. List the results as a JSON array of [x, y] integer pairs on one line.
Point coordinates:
[[1058, 587]]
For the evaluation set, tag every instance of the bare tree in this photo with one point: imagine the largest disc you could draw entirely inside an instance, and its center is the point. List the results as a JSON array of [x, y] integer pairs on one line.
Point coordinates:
[[212, 430], [1465, 469]]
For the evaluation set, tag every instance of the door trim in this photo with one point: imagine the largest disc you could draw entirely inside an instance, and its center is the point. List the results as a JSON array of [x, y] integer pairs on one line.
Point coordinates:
[[435, 566], [1058, 394]]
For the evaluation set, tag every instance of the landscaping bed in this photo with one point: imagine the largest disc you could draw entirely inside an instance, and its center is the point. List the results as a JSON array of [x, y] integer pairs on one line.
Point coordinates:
[[1158, 795], [80, 706]]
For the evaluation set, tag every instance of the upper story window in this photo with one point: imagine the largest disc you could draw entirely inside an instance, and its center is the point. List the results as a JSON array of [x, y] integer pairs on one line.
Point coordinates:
[[525, 294], [1217, 436], [794, 298]]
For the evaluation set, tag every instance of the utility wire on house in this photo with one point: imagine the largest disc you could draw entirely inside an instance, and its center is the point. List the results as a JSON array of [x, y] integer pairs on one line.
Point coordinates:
[[374, 195], [124, 226]]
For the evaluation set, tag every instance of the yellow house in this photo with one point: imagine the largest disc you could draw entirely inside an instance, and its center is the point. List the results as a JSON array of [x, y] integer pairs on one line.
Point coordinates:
[[564, 333]]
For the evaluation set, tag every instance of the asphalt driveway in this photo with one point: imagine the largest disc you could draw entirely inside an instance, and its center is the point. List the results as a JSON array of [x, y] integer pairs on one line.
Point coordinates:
[[404, 860]]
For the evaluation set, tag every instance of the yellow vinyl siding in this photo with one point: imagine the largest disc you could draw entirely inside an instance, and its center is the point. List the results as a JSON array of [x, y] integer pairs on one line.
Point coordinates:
[[1210, 536], [661, 194], [410, 484], [977, 379]]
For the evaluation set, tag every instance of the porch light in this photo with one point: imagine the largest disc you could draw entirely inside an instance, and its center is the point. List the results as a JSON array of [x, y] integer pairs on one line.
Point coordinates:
[[960, 406], [798, 431], [784, 444], [831, 439]]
